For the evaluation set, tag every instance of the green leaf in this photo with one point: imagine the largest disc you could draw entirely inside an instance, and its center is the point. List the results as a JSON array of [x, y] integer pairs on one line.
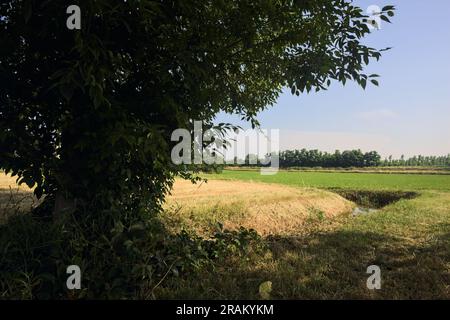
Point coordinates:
[[384, 18], [293, 89], [363, 83], [366, 58], [375, 82], [387, 8]]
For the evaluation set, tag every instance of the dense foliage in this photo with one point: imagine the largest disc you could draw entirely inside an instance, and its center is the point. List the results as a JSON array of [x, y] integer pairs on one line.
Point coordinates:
[[316, 158], [129, 262]]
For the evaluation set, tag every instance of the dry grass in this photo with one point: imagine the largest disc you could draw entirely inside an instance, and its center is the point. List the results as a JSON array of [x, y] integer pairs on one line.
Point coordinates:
[[409, 240], [14, 198], [269, 209]]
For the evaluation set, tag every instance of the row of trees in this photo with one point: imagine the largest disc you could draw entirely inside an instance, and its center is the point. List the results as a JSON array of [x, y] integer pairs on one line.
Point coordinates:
[[348, 158], [316, 158]]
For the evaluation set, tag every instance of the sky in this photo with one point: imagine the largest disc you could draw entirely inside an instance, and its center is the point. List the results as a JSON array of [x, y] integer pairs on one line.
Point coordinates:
[[409, 113]]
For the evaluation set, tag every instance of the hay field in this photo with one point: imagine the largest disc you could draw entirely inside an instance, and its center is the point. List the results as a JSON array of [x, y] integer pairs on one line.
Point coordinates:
[[270, 209]]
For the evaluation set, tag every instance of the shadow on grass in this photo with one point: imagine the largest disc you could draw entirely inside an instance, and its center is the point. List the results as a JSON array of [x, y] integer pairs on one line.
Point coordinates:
[[374, 198], [332, 266], [328, 265]]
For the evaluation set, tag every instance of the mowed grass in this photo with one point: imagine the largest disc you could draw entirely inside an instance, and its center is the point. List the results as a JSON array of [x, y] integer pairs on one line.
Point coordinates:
[[409, 240], [364, 181]]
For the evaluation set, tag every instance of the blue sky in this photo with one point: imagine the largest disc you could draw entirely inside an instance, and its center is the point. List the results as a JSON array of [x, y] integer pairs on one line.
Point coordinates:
[[408, 114]]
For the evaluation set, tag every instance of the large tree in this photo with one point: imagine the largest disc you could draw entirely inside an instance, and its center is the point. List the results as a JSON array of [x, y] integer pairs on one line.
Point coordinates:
[[86, 115]]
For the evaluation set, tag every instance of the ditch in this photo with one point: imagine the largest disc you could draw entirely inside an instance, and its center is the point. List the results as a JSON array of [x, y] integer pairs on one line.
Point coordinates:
[[369, 201]]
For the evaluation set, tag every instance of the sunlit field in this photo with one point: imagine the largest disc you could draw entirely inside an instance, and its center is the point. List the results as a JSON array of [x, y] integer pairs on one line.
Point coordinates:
[[312, 245], [368, 181], [270, 209], [327, 258]]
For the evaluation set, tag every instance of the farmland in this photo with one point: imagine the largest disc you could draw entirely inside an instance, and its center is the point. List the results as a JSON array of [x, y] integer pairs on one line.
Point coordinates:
[[367, 181], [408, 239], [313, 247], [270, 209]]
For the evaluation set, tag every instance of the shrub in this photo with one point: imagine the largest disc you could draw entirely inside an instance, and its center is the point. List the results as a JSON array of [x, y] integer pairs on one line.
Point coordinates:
[[126, 262]]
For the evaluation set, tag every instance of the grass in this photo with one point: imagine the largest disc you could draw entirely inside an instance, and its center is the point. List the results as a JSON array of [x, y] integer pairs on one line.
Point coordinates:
[[270, 209], [14, 199], [312, 253], [363, 181], [409, 240], [381, 169]]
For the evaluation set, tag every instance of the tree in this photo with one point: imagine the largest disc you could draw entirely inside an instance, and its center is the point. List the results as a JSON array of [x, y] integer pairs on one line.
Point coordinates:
[[86, 115], [372, 159]]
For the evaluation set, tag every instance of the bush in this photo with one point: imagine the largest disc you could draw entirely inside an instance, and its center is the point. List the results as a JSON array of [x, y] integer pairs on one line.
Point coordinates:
[[126, 262]]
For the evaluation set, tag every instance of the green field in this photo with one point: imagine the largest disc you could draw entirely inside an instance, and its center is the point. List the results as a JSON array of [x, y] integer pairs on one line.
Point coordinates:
[[366, 181], [409, 240]]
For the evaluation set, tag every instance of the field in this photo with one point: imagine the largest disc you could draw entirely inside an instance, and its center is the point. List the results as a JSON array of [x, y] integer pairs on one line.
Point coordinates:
[[313, 246], [270, 209], [327, 258], [366, 181]]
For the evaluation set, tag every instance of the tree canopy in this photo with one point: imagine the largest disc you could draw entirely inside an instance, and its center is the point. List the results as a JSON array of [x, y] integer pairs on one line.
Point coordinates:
[[89, 112]]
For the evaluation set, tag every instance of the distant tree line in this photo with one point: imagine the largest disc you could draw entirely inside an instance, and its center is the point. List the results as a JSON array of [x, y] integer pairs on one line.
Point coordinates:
[[417, 161], [316, 158], [345, 159]]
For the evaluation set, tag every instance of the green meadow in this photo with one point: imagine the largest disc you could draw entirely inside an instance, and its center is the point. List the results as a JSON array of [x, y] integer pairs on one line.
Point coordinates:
[[366, 181]]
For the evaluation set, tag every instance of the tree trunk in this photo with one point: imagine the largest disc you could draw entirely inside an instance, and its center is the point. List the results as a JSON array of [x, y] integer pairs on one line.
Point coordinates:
[[63, 207]]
